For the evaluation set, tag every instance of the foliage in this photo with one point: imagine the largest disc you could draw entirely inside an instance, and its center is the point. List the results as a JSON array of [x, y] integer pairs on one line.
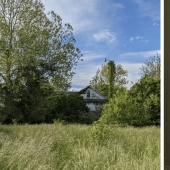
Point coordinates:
[[35, 49], [151, 67], [111, 77], [146, 92], [100, 82], [70, 108], [100, 131], [87, 117], [146, 96], [139, 106], [119, 110], [59, 121]]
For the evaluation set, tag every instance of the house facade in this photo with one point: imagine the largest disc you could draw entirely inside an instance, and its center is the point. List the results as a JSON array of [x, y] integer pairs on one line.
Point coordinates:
[[94, 100]]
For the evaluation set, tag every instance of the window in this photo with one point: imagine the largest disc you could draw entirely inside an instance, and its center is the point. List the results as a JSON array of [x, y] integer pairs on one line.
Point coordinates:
[[88, 93]]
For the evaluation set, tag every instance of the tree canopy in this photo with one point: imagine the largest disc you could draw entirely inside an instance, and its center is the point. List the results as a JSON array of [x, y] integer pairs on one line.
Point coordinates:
[[152, 67], [35, 49], [29, 37], [108, 78], [138, 106]]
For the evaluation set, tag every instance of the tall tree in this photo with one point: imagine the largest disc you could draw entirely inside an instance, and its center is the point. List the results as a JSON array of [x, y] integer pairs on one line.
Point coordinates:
[[35, 47], [145, 93], [139, 106], [100, 82], [111, 77], [152, 67]]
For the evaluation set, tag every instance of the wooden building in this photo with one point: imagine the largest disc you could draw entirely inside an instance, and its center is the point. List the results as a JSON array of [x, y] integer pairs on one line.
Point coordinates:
[[94, 100]]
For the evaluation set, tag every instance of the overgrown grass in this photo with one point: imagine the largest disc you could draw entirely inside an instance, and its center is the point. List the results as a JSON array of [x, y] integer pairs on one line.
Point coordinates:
[[72, 147]]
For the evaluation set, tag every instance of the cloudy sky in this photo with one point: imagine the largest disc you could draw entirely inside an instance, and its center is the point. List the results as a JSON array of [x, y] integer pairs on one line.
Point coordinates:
[[126, 31]]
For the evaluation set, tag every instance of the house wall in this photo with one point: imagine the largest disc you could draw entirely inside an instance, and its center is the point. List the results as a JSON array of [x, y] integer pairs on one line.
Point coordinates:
[[96, 105]]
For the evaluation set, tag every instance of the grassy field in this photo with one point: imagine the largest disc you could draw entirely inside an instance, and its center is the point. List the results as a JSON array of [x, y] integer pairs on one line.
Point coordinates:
[[72, 147]]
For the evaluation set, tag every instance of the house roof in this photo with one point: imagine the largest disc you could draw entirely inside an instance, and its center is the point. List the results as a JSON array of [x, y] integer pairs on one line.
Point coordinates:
[[83, 91]]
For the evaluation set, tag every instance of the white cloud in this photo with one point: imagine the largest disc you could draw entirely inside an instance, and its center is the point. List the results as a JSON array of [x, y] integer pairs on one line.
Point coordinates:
[[131, 39], [105, 36], [148, 8], [84, 74], [84, 15], [145, 54], [86, 69], [131, 67], [138, 38], [133, 72], [155, 24], [90, 56], [77, 13]]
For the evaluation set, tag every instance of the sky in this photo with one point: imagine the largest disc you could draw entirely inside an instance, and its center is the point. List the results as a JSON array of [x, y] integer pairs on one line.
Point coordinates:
[[126, 31]]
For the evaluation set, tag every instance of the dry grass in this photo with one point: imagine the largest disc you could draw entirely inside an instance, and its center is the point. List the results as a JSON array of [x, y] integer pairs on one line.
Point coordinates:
[[70, 147]]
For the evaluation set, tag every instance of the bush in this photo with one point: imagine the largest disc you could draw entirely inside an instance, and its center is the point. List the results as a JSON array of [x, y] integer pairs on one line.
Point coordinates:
[[70, 108], [145, 96], [140, 106]]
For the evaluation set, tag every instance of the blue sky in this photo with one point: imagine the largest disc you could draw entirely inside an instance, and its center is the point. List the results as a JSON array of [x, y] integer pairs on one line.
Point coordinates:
[[126, 31]]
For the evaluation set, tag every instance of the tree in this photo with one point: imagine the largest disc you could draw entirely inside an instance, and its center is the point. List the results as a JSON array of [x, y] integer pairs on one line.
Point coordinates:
[[70, 108], [152, 67], [111, 77], [145, 95], [139, 106], [35, 48], [100, 82]]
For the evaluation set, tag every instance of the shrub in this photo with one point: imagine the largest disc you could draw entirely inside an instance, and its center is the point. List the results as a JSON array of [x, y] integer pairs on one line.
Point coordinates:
[[70, 108]]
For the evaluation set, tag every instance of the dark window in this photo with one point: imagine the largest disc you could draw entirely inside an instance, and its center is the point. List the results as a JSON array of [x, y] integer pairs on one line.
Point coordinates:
[[88, 93]]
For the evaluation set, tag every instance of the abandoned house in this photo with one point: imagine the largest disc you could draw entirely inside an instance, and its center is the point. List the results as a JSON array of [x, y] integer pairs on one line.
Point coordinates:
[[94, 100]]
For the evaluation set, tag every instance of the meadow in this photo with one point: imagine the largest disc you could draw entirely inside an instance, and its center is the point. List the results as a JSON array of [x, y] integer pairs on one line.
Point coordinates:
[[72, 147]]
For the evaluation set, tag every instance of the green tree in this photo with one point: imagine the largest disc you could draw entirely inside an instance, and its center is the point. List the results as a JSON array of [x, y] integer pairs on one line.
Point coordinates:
[[70, 108], [152, 67], [100, 82], [35, 48], [111, 77], [139, 106], [145, 95]]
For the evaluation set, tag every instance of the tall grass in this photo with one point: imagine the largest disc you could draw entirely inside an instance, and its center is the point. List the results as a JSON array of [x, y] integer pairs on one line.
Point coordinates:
[[72, 147]]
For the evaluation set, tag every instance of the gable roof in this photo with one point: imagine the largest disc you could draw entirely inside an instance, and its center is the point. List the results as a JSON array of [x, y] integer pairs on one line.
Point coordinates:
[[103, 99], [83, 91]]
